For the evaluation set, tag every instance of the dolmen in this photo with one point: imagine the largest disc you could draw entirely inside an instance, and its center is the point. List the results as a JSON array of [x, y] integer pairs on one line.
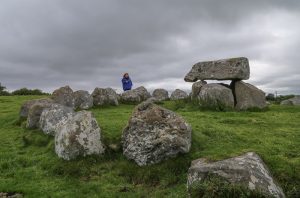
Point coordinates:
[[247, 171], [154, 134], [238, 94]]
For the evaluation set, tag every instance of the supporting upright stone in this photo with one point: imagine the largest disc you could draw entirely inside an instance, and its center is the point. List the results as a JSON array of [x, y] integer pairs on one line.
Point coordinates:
[[225, 69]]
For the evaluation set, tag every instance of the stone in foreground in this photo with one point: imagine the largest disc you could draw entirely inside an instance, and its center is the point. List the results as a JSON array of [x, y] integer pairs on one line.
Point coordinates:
[[292, 101], [82, 100], [225, 69], [154, 134], [28, 104], [216, 96], [51, 118], [105, 96], [64, 96], [135, 95], [248, 170], [78, 135], [178, 94], [160, 94], [248, 96]]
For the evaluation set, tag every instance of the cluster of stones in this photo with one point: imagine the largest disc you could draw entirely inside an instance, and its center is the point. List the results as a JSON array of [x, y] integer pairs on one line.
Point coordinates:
[[238, 94]]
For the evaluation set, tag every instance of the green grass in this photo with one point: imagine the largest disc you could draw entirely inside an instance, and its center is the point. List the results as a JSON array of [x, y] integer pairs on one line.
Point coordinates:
[[29, 165]]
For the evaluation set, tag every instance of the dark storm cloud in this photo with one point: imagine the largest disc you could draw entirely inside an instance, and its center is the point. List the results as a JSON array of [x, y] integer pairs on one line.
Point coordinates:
[[50, 43]]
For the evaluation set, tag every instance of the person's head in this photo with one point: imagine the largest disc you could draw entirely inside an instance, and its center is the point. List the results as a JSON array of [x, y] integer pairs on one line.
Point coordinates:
[[126, 75]]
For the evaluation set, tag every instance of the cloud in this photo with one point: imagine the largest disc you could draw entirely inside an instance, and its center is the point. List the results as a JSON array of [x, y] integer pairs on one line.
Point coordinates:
[[47, 44]]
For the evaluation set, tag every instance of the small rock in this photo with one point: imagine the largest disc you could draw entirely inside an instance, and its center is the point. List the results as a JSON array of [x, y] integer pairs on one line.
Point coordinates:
[[248, 170], [178, 95]]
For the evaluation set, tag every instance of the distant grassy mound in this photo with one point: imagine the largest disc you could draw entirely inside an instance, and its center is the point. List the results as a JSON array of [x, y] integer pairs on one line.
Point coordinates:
[[29, 165]]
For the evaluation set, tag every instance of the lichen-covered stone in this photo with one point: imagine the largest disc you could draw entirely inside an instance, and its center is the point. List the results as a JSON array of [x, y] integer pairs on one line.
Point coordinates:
[[51, 118], [216, 96], [64, 96], [28, 104], [105, 96], [135, 95], [34, 114], [248, 170], [248, 96], [292, 101], [196, 87], [154, 134], [178, 95], [160, 94], [82, 100], [225, 69], [78, 135]]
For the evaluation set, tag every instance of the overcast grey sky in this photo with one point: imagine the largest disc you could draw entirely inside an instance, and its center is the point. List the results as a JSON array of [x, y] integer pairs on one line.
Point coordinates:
[[46, 44]]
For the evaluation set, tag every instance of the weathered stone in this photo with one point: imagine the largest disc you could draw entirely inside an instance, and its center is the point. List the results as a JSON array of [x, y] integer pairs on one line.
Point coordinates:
[[64, 96], [105, 96], [196, 88], [225, 69], [51, 118], [28, 104], [248, 170], [216, 96], [178, 95], [160, 94], [248, 96], [34, 114], [292, 101], [10, 195], [78, 135], [154, 134], [82, 100], [135, 95]]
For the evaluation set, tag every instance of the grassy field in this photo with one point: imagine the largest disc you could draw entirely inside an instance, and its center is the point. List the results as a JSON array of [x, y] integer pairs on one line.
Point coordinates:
[[29, 165]]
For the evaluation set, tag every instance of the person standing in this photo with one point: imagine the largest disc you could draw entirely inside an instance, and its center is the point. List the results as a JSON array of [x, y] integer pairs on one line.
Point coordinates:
[[126, 82]]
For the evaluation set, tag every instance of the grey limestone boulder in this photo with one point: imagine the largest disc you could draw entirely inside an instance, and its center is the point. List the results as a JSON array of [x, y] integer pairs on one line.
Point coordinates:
[[28, 104], [196, 87], [105, 96], [178, 95], [248, 96], [160, 94], [82, 100], [34, 114], [225, 69], [216, 96], [64, 96], [135, 95], [78, 135], [247, 170], [292, 101], [154, 134]]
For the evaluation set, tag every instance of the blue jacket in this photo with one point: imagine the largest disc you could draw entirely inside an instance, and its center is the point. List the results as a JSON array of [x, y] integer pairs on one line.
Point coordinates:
[[127, 84]]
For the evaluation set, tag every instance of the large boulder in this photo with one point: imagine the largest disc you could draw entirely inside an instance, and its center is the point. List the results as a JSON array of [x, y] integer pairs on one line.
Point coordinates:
[[51, 118], [216, 96], [64, 96], [178, 95], [248, 96], [28, 104], [154, 134], [196, 87], [247, 170], [34, 114], [292, 101], [82, 100], [225, 69], [160, 94], [78, 135], [135, 95], [105, 96]]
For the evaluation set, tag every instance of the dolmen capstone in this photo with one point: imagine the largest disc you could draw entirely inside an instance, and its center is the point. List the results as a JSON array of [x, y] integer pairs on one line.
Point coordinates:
[[135, 95], [292, 101], [105, 96], [245, 95], [247, 170], [178, 94], [160, 94], [78, 135], [154, 134]]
